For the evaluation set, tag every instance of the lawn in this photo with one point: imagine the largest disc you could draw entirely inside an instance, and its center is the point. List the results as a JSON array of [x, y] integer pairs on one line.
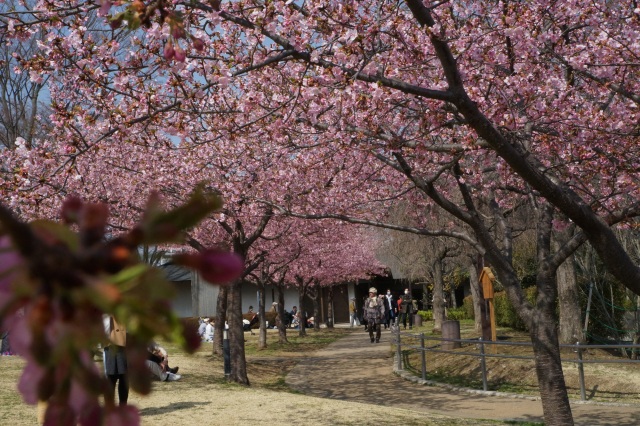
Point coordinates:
[[203, 397], [606, 382]]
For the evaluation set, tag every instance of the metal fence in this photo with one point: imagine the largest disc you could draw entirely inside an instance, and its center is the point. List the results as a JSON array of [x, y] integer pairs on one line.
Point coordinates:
[[483, 349]]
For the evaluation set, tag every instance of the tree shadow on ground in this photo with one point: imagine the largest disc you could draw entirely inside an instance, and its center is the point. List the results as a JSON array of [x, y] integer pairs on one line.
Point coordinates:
[[174, 406]]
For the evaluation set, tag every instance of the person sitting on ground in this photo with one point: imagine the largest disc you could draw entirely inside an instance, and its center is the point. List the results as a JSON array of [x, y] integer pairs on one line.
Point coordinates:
[[248, 324], [158, 364], [159, 355], [295, 318], [208, 334], [202, 327]]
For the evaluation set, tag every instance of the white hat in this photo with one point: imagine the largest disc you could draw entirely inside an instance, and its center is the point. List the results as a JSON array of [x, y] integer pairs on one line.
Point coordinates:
[[373, 290], [206, 320]]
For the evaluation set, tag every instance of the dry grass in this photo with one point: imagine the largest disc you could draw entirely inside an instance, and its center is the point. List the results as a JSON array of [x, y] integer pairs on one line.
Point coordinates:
[[603, 382], [203, 397]]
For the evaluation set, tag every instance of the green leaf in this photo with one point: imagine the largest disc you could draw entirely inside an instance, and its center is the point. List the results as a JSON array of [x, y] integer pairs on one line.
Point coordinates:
[[159, 226], [49, 230], [128, 274]]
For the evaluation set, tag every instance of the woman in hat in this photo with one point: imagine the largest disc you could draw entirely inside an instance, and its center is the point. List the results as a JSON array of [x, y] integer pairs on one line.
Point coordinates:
[[373, 313]]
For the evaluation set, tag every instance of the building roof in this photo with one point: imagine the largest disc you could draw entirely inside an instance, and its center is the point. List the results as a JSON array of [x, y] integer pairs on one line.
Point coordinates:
[[176, 272]]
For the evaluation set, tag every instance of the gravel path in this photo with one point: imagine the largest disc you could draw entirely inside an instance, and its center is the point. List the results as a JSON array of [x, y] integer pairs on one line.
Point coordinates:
[[353, 369]]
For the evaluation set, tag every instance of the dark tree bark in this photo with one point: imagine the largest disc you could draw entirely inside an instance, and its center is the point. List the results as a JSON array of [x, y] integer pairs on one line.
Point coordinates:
[[476, 296], [280, 320], [302, 291], [313, 293], [570, 315], [221, 317], [329, 321], [241, 245], [543, 332], [262, 338], [236, 335], [438, 296]]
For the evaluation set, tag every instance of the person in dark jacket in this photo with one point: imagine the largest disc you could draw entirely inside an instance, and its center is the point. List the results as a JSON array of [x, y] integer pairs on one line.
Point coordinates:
[[406, 310], [391, 309], [373, 313]]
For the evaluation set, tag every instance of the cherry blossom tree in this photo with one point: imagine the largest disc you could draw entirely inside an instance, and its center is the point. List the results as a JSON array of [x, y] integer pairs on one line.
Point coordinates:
[[532, 100], [56, 285]]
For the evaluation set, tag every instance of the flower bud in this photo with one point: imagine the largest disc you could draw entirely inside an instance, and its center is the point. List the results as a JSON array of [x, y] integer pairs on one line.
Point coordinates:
[[70, 210], [116, 23], [214, 265], [177, 31], [169, 51], [180, 56], [198, 44]]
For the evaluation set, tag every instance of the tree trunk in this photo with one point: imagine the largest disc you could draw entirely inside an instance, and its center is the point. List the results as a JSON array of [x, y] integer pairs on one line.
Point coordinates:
[[570, 321], [316, 308], [221, 317], [438, 297], [474, 286], [452, 295], [425, 296], [280, 319], [236, 335], [301, 312], [262, 338], [329, 321], [544, 336]]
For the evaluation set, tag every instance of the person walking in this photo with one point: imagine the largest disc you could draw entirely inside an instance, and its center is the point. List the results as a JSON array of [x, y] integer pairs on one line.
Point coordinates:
[[385, 314], [406, 309], [373, 313], [391, 309], [353, 313]]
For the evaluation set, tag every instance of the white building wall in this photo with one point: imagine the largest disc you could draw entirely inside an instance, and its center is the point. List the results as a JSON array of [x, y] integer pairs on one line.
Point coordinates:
[[204, 297], [182, 301], [250, 297]]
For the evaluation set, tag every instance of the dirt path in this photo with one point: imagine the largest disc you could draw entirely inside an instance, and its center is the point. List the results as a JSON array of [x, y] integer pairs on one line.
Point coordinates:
[[353, 369]]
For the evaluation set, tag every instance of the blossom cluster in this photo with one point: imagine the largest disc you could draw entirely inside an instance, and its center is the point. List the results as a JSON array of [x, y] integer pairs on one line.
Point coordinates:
[[59, 278]]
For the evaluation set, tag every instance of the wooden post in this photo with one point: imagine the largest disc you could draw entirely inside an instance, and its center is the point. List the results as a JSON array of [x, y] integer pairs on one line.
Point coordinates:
[[487, 278]]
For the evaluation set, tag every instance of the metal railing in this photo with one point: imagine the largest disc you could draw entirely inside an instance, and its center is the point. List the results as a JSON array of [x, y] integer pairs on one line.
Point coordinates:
[[480, 352]]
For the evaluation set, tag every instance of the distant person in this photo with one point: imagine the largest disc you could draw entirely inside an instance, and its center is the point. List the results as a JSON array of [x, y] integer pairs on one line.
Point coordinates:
[[209, 329], [158, 364], [295, 317], [373, 313], [353, 313], [406, 310], [202, 327], [247, 324], [391, 309], [115, 359], [385, 315], [159, 355]]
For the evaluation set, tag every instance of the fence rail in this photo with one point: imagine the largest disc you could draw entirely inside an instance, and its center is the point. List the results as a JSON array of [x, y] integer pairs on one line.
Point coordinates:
[[426, 345]]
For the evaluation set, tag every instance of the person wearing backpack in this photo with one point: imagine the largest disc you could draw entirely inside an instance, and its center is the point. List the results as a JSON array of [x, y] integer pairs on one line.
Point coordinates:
[[373, 313]]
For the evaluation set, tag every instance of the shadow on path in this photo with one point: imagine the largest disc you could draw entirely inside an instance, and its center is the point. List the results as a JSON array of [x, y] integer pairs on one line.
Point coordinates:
[[354, 369]]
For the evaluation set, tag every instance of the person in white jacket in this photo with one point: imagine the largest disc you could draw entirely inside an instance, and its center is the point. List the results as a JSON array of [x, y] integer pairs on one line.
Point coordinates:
[[208, 332]]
